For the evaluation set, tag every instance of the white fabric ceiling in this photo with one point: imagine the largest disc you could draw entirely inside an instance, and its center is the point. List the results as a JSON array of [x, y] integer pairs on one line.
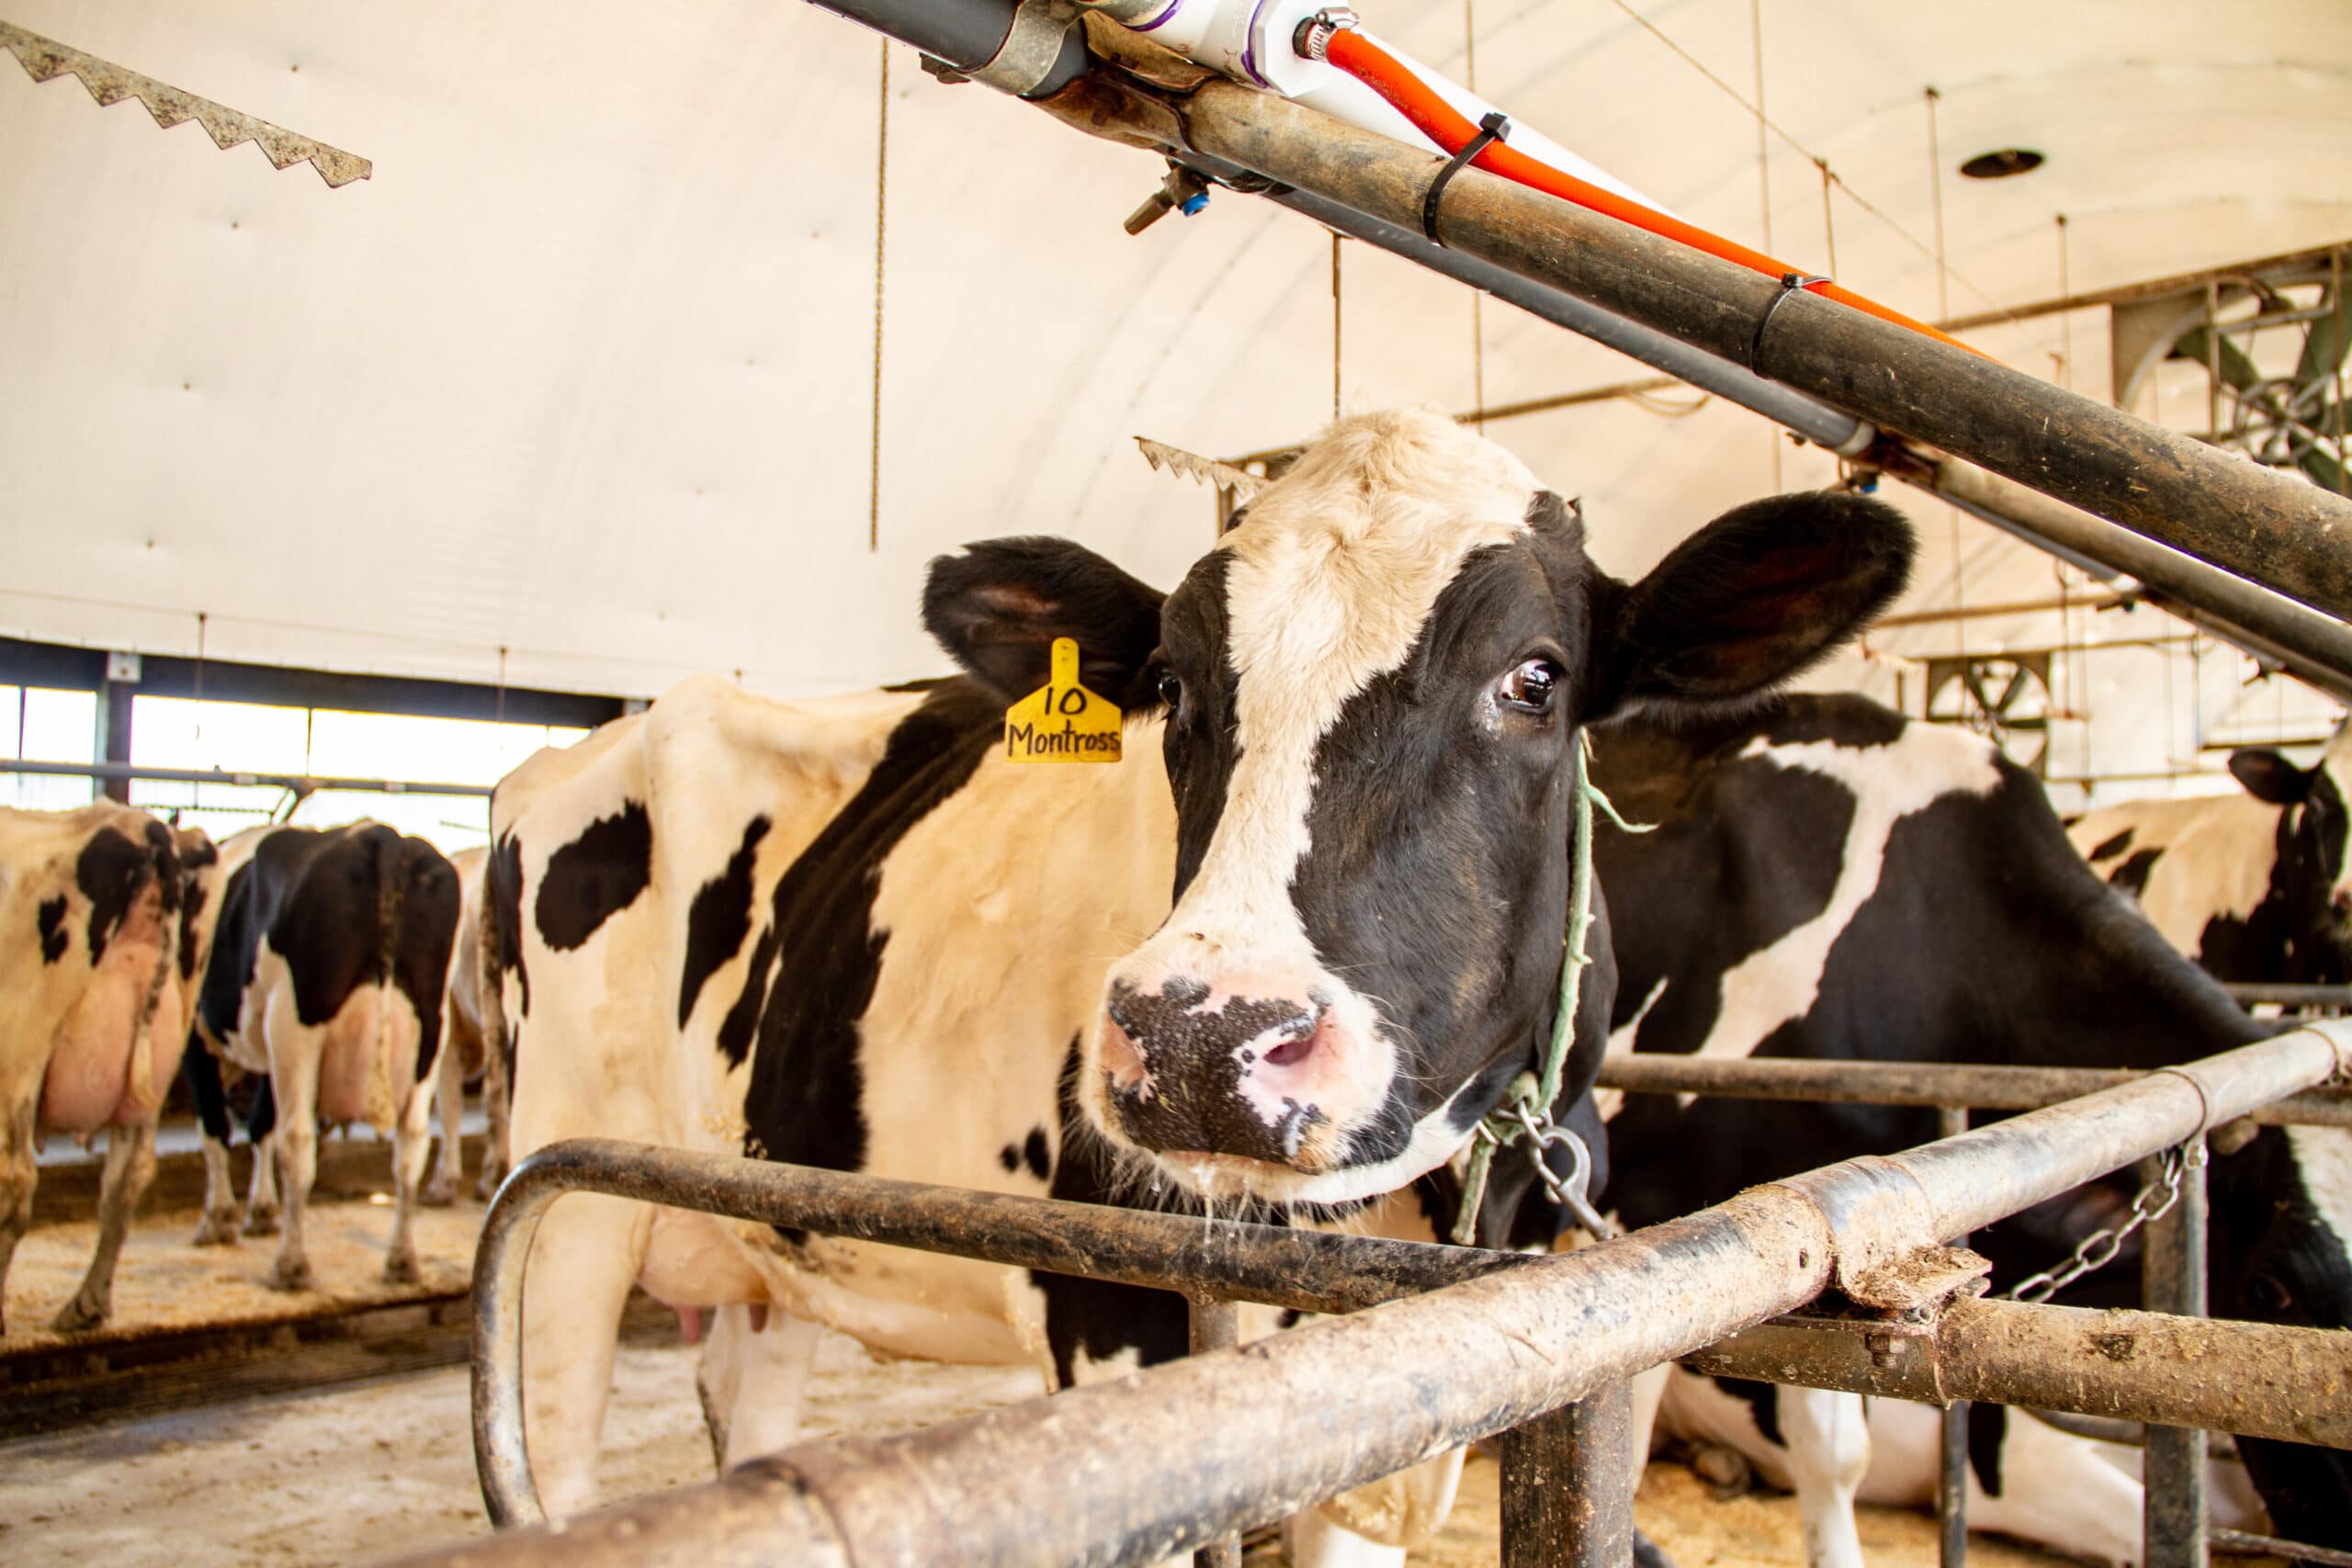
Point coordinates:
[[583, 372]]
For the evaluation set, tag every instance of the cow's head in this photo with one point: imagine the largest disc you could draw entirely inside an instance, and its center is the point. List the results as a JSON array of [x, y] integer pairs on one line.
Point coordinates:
[[1370, 689], [2312, 825]]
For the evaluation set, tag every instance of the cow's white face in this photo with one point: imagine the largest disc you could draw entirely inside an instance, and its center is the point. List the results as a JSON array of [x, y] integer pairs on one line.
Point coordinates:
[[1370, 687]]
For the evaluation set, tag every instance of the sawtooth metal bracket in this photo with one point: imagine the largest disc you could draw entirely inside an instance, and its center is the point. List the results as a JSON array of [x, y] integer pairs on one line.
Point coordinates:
[[45, 59]]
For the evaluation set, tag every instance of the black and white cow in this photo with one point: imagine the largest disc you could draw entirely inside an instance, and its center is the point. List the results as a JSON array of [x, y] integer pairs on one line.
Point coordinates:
[[328, 953], [465, 1051], [2254, 886], [91, 1013], [1828, 880], [850, 933]]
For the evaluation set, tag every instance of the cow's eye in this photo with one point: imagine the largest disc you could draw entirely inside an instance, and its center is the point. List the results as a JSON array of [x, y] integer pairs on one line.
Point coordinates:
[[2270, 1294], [1172, 690], [1530, 687]]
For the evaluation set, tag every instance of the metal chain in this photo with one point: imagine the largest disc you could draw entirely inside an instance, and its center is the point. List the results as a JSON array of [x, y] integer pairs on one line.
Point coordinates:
[[2096, 1250]]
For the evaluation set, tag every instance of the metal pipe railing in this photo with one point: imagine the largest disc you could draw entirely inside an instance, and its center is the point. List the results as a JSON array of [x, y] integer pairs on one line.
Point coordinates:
[[2293, 996], [302, 784], [1137, 1470], [1933, 1083]]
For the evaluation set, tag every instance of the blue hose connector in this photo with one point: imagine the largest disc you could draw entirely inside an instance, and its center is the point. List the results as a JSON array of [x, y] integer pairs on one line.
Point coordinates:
[[1193, 204]]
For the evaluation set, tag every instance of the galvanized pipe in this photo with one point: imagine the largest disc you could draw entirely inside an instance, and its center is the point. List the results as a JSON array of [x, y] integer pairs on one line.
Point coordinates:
[[2277, 530], [2291, 996], [1138, 1469], [2262, 1380], [1214, 1324], [1951, 1457], [1983, 1087]]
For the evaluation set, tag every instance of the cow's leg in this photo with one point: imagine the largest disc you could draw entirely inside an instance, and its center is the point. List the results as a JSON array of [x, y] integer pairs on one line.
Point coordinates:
[[584, 1260], [1829, 1452], [449, 1108], [1375, 1526], [261, 1131], [201, 1068], [294, 1079], [129, 1168], [752, 1377], [411, 1142], [18, 1174], [2053, 1488]]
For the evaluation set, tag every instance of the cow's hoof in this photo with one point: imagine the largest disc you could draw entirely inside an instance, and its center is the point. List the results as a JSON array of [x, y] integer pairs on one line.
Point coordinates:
[[401, 1268], [84, 1312], [218, 1228], [1726, 1470], [492, 1176], [1647, 1553], [262, 1221], [438, 1194], [290, 1274]]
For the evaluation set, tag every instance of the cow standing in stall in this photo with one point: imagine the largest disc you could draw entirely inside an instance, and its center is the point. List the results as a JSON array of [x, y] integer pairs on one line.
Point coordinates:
[[1830, 880], [1283, 957], [328, 954], [2254, 886], [465, 1031], [91, 1013]]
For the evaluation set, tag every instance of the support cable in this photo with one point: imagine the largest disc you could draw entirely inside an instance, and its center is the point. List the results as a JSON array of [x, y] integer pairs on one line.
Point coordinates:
[[881, 215]]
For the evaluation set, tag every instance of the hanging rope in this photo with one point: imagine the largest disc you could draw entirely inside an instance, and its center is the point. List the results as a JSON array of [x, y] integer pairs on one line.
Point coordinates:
[[1943, 312], [1763, 188], [201, 617], [1478, 299], [1334, 326], [881, 215]]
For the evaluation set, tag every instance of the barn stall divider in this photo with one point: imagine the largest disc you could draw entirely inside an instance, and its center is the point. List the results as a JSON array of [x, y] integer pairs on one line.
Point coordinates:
[[1440, 1347]]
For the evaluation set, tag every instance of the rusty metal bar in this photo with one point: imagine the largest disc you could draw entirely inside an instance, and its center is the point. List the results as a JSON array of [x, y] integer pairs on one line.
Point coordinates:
[[2262, 1380], [1915, 1083], [1951, 1457], [1214, 1324], [1568, 1484], [1302, 1270], [1137, 1470], [2291, 996], [2249, 1545], [2172, 1272]]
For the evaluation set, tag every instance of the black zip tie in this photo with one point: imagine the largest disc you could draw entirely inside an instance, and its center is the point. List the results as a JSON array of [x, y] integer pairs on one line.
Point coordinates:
[[1495, 127], [1790, 283]]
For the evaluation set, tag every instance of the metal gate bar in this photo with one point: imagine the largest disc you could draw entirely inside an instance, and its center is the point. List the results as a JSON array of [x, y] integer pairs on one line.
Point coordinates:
[[1955, 1085], [1130, 1472]]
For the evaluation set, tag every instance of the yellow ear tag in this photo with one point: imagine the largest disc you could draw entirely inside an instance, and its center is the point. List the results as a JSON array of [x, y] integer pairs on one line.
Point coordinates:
[[1063, 722]]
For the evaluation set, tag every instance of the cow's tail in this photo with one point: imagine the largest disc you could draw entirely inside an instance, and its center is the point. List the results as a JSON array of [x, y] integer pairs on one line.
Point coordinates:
[[499, 898], [383, 1099]]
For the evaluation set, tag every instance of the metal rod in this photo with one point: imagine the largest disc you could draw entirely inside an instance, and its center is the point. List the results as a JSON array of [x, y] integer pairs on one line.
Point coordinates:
[[2259, 1378], [1951, 1467], [1136, 1469], [2153, 288], [2018, 607], [2250, 1545], [1568, 1484], [1214, 1324], [1914, 1083], [2291, 996], [303, 783], [2241, 517], [2172, 1272]]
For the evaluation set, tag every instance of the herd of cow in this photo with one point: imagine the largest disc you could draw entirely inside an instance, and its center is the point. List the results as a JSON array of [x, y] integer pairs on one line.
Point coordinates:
[[1279, 961]]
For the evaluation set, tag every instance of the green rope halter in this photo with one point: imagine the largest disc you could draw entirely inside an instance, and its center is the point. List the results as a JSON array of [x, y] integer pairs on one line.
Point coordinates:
[[1525, 1114]]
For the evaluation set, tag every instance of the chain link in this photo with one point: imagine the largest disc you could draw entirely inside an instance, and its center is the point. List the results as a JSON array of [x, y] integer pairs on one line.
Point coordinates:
[[2096, 1250], [1569, 1192]]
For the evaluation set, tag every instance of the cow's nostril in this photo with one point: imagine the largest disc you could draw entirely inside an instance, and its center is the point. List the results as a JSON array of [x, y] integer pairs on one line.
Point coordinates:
[[1290, 1051]]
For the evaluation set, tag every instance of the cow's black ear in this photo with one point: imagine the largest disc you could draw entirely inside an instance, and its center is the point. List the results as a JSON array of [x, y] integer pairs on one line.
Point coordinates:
[[998, 606], [2269, 777], [1750, 600]]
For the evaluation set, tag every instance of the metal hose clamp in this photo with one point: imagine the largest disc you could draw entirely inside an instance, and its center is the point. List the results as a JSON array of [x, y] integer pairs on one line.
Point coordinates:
[[1313, 36]]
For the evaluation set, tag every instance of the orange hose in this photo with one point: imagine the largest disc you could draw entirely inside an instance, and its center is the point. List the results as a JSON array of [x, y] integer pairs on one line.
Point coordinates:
[[1443, 124]]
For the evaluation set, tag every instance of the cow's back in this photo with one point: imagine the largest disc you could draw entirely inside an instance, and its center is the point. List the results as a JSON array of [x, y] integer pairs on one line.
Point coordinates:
[[2190, 864]]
